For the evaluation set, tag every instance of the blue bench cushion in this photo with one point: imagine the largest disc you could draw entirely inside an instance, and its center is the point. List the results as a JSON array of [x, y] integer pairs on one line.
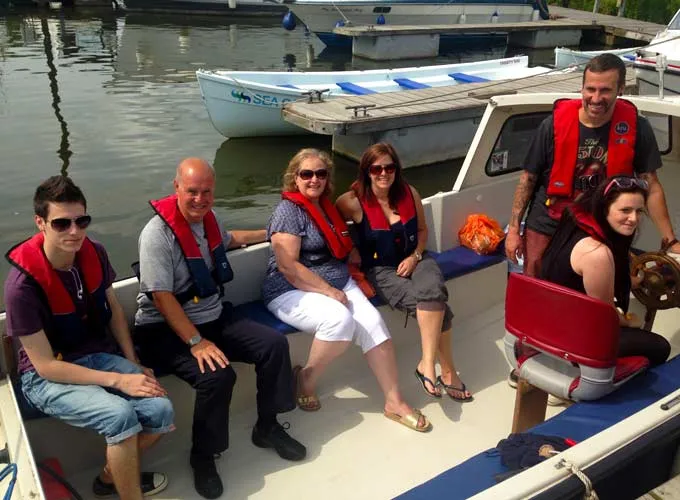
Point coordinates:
[[578, 422], [407, 83], [353, 88], [461, 260], [257, 311], [453, 263], [465, 78]]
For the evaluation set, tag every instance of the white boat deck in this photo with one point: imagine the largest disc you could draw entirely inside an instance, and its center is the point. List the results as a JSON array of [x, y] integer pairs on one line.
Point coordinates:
[[353, 451]]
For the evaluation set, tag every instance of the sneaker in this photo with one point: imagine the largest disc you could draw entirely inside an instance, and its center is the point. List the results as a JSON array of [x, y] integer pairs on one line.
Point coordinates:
[[557, 401], [513, 379], [277, 437], [151, 482], [207, 481]]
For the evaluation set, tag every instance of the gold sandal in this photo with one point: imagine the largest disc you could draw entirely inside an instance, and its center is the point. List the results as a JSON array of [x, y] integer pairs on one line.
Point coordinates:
[[411, 420], [305, 403]]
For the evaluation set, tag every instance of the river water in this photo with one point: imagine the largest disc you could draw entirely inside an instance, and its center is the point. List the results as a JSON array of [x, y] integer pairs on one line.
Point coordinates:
[[113, 101]]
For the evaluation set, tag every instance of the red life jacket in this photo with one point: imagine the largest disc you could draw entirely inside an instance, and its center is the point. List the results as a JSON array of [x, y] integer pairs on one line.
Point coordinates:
[[336, 234], [205, 283], [378, 243], [620, 149], [586, 222], [68, 330]]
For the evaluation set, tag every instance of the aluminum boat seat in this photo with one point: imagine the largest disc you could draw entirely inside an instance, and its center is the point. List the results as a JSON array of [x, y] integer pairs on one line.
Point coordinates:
[[563, 341]]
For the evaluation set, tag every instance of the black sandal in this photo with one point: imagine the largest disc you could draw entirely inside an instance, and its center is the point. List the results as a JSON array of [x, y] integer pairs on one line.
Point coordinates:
[[448, 388], [423, 380]]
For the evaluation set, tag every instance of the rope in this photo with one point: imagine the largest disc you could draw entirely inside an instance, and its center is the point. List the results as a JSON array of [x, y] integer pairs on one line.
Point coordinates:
[[347, 21], [590, 493]]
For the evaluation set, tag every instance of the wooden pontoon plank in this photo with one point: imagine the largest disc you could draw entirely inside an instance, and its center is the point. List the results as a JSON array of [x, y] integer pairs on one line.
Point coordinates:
[[411, 108]]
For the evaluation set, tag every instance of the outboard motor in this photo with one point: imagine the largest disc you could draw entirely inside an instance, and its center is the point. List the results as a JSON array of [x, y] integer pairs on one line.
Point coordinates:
[[288, 21]]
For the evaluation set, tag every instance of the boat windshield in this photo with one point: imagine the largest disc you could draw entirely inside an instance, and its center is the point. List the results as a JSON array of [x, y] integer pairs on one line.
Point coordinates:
[[675, 22]]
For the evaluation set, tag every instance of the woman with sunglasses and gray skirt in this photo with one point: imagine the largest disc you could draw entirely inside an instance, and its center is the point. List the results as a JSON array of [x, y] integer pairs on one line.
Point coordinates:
[[308, 286], [392, 235], [589, 253]]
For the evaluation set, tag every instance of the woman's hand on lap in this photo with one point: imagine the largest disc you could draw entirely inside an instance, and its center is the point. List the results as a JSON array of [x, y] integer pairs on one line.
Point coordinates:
[[407, 266], [338, 295]]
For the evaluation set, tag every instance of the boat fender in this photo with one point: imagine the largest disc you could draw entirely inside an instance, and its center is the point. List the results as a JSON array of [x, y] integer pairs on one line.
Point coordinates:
[[288, 21], [494, 17], [462, 19], [340, 24], [380, 20], [231, 4]]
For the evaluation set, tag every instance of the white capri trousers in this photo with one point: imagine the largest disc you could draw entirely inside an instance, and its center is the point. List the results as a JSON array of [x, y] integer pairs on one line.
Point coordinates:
[[331, 320]]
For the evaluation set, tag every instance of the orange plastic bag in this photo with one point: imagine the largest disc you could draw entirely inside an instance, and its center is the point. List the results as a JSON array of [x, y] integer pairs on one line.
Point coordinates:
[[481, 233]]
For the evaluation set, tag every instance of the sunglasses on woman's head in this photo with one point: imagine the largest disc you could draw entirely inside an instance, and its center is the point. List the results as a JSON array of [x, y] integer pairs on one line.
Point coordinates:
[[627, 183], [390, 168], [306, 174], [62, 224]]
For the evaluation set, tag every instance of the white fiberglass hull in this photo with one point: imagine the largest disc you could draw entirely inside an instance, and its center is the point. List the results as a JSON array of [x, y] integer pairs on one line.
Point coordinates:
[[321, 17], [248, 104]]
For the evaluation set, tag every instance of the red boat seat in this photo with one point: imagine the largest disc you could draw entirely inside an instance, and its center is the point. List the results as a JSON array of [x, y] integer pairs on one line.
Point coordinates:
[[563, 341]]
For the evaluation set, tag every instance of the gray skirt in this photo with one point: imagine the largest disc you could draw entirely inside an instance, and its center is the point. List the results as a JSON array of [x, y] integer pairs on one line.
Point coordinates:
[[426, 284]]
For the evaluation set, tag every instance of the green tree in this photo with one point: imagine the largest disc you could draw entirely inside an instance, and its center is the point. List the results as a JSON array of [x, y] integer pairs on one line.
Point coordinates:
[[656, 11]]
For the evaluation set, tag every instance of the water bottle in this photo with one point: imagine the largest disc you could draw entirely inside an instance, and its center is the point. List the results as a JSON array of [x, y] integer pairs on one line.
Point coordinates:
[[519, 267]]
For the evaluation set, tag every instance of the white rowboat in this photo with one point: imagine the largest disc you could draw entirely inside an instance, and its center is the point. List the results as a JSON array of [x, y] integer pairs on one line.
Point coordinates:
[[248, 103]]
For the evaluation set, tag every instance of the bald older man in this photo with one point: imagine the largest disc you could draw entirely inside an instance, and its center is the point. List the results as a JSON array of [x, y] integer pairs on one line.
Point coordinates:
[[181, 326]]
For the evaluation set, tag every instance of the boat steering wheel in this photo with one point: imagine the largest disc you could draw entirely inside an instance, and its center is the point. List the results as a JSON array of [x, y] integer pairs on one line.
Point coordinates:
[[660, 285]]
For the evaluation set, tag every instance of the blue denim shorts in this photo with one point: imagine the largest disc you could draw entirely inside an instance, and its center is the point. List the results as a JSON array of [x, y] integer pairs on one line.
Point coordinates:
[[111, 413]]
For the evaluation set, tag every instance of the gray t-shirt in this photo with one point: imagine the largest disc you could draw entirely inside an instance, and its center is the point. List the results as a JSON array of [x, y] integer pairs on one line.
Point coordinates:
[[291, 219], [162, 268]]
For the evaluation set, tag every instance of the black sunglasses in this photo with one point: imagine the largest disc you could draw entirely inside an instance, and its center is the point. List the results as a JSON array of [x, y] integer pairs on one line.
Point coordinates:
[[390, 168], [306, 174], [63, 224]]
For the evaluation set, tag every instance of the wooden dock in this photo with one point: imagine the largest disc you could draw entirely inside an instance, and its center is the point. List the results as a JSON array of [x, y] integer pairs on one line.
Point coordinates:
[[412, 108], [427, 125], [622, 27], [463, 29], [565, 28]]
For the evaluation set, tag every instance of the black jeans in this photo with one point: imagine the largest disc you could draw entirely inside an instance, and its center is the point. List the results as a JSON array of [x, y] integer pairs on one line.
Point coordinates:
[[241, 340]]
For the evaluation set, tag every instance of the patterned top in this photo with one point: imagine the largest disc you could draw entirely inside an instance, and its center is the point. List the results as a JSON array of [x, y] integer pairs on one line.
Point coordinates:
[[291, 219]]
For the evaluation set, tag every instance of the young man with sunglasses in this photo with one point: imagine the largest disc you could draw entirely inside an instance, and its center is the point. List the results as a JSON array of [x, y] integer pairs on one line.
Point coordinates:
[[60, 304], [584, 141], [183, 328]]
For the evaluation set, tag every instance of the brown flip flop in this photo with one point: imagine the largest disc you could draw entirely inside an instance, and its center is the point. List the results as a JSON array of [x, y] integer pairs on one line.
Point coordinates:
[[305, 403]]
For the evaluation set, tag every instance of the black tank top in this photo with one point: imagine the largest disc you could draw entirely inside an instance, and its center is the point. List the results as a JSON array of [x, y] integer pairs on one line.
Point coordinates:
[[557, 267]]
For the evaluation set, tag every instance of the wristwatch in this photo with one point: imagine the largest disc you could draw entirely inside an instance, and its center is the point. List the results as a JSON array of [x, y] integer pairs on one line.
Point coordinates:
[[194, 340], [418, 255]]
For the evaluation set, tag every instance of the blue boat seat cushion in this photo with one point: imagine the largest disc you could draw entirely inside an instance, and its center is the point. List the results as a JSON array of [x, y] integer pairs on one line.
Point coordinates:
[[353, 88], [465, 78], [407, 83]]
